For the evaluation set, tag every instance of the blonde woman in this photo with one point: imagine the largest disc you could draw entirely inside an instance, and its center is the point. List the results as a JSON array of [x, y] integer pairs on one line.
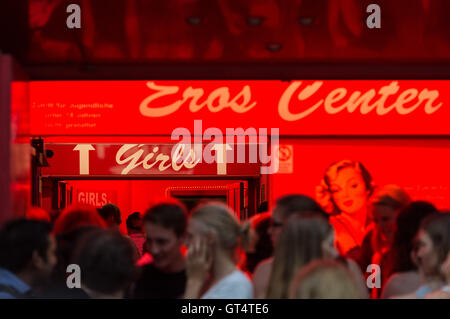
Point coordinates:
[[214, 237], [325, 279]]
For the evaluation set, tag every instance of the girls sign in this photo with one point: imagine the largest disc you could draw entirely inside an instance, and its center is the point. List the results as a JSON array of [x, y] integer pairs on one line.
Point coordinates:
[[138, 160], [298, 107]]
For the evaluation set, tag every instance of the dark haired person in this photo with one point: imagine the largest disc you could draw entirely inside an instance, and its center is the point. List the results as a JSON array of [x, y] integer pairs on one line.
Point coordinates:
[[76, 216], [107, 263], [384, 206], [135, 231], [111, 215], [27, 257], [284, 208], [165, 230], [431, 247], [70, 225], [444, 257], [401, 275], [260, 247]]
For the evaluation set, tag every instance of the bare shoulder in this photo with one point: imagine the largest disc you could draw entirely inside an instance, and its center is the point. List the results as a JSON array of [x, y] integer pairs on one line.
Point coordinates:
[[401, 284], [439, 294], [263, 269], [261, 278], [358, 276], [353, 266], [407, 296]]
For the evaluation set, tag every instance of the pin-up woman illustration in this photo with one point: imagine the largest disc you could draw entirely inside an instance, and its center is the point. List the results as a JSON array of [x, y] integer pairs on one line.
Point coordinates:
[[343, 193]]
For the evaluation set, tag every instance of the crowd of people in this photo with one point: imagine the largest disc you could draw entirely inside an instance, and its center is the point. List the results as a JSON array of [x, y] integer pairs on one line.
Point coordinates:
[[291, 251]]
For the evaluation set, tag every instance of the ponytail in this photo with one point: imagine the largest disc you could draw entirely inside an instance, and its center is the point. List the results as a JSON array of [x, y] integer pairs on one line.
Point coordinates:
[[245, 234]]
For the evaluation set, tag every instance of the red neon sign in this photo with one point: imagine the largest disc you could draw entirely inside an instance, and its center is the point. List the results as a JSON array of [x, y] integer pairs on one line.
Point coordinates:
[[297, 107]]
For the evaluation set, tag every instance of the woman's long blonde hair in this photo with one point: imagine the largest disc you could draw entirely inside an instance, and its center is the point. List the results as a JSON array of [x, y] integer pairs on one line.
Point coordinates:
[[325, 279], [300, 242]]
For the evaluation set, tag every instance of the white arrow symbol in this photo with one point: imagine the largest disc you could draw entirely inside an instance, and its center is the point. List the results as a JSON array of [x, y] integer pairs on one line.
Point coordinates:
[[221, 155], [84, 157]]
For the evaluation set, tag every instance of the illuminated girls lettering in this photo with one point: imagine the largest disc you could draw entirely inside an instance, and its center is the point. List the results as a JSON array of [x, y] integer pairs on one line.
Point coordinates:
[[339, 100], [148, 161], [216, 101]]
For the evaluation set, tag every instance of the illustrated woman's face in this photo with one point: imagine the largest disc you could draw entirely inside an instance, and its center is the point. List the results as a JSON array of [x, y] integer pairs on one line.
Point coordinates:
[[349, 191]]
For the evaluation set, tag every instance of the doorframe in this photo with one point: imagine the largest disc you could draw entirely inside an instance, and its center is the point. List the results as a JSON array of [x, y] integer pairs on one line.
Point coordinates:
[[253, 182]]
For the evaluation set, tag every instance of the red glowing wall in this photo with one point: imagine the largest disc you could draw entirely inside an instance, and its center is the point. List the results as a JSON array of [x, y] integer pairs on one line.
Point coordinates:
[[420, 166], [138, 195]]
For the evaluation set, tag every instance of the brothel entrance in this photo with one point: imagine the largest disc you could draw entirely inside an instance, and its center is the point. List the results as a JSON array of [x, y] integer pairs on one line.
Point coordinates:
[[135, 175]]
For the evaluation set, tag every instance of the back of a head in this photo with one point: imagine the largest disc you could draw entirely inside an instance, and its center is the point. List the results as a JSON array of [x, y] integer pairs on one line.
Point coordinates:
[[217, 217], [301, 241], [324, 279], [409, 219], [19, 239], [263, 247], [106, 259], [169, 214], [111, 211], [67, 243], [407, 225], [304, 232], [437, 226], [261, 223], [38, 213], [134, 221], [77, 216], [296, 203], [390, 195]]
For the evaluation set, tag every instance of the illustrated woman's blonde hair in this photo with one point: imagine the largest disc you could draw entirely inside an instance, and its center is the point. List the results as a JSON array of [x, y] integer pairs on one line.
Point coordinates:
[[300, 242], [324, 279], [323, 193]]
